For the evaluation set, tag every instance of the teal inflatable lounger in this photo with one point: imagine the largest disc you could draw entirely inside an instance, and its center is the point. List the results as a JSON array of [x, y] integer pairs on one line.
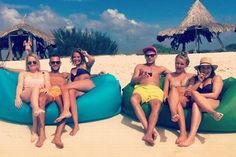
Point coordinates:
[[100, 103]]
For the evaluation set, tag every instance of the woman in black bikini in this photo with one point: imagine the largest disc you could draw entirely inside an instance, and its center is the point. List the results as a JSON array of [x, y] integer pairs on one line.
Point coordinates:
[[204, 91], [80, 84]]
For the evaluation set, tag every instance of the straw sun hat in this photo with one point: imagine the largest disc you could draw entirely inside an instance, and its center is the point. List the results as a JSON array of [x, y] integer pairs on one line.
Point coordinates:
[[206, 61]]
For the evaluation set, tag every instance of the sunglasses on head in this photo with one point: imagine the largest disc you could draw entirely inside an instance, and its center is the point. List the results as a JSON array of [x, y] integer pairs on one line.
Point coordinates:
[[31, 62], [55, 62], [150, 55]]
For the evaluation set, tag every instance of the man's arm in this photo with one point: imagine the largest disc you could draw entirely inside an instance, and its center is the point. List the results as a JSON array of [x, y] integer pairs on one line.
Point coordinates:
[[137, 75]]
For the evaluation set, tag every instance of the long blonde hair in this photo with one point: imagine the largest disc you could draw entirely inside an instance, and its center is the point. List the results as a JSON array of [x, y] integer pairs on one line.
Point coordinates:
[[27, 59]]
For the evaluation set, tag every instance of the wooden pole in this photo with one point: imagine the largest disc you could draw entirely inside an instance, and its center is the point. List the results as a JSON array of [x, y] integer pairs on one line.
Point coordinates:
[[195, 49], [220, 41], [9, 56]]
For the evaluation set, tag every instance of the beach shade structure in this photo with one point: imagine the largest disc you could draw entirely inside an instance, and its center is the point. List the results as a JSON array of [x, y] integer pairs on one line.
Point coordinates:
[[14, 37], [198, 22]]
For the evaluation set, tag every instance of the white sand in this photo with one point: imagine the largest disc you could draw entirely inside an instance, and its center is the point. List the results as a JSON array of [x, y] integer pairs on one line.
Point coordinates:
[[120, 136]]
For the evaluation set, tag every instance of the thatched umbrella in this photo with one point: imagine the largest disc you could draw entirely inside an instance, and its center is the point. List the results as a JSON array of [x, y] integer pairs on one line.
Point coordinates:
[[20, 30], [198, 22]]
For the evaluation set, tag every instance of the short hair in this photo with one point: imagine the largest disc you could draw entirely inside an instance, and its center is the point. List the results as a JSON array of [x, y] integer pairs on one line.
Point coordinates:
[[54, 55]]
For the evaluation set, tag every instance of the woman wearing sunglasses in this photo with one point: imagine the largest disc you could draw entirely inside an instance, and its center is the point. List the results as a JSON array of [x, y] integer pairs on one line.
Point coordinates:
[[175, 86], [80, 84], [31, 82]]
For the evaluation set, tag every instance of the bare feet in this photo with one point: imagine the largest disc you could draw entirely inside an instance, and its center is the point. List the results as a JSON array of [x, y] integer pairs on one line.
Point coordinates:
[[148, 140], [180, 139], [187, 142], [175, 118], [34, 137], [64, 114], [38, 111], [217, 116], [154, 134], [74, 130], [58, 143], [40, 141]]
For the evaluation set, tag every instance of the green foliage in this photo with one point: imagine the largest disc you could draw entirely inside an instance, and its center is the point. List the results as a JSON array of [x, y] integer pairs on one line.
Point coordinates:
[[164, 50], [94, 42]]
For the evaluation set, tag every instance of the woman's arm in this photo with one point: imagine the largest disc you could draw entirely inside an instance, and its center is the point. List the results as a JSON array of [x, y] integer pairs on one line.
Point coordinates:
[[217, 88], [10, 69], [91, 59], [166, 86], [47, 80], [19, 89]]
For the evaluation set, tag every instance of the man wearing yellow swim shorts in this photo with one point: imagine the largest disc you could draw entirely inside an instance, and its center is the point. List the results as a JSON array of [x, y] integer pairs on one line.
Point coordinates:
[[146, 78], [57, 79]]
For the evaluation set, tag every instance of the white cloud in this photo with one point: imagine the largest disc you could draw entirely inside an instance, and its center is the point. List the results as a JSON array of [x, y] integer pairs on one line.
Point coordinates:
[[131, 35], [8, 17]]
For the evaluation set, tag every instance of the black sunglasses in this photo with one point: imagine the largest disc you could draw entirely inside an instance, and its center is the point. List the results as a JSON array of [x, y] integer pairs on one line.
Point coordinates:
[[31, 62], [150, 55], [55, 62]]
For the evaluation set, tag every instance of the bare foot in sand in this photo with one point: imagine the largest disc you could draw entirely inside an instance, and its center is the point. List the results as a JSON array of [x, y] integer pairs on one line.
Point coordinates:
[[74, 130], [34, 137], [64, 114], [175, 118], [154, 134], [187, 142], [40, 141], [180, 139], [58, 143], [148, 140]]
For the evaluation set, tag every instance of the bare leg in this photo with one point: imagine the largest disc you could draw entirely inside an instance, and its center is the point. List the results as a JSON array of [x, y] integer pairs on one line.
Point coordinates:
[[74, 112], [182, 126], [60, 127], [155, 108], [66, 104], [43, 101], [195, 122], [207, 105], [80, 85], [173, 101], [35, 102], [135, 101], [34, 134]]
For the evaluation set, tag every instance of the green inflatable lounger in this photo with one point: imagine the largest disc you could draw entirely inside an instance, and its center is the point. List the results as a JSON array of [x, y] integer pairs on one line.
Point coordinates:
[[101, 102], [208, 124]]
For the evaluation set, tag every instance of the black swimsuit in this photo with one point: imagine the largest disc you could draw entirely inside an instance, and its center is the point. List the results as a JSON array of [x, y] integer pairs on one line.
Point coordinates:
[[79, 72], [206, 89]]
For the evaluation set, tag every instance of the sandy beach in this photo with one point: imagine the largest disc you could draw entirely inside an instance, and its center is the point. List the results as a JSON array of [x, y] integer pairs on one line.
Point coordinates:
[[120, 136]]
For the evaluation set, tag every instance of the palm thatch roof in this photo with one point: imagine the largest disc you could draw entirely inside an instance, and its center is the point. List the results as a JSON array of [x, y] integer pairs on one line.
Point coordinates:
[[198, 22], [27, 28]]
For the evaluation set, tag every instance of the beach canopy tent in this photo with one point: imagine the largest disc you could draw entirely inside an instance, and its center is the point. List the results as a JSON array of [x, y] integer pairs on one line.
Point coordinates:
[[198, 22], [12, 39]]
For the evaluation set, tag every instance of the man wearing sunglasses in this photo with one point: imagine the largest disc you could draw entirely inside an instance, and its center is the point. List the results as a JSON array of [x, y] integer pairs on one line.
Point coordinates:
[[54, 94], [146, 78]]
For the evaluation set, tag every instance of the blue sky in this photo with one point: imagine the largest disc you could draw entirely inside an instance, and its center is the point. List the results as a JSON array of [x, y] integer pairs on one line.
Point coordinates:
[[132, 23]]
